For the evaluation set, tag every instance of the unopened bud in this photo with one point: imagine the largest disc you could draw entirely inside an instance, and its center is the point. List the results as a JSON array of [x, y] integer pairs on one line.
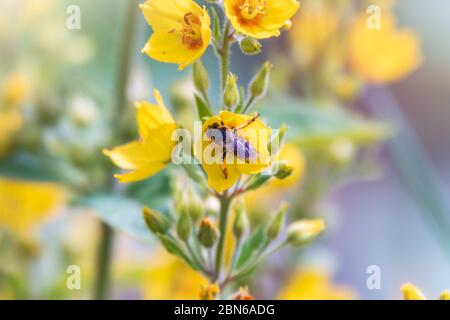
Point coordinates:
[[250, 46], [287, 25], [284, 169], [304, 231], [207, 234], [194, 205], [240, 221], [201, 79], [184, 227], [260, 83], [277, 223], [155, 221], [231, 93]]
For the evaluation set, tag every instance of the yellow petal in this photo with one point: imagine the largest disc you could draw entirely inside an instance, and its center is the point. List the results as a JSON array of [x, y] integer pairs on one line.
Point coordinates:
[[150, 116], [445, 295], [141, 173], [164, 15], [411, 292], [24, 204]]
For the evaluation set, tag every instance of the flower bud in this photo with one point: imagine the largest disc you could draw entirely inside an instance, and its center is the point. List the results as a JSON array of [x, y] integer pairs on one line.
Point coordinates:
[[287, 25], [194, 205], [250, 46], [155, 221], [284, 169], [201, 79], [240, 221], [277, 223], [411, 292], [231, 93], [207, 234], [184, 227], [303, 231], [445, 295], [260, 83]]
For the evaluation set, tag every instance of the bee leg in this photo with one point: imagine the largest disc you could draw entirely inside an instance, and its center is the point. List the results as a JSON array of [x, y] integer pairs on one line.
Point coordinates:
[[247, 123], [223, 165]]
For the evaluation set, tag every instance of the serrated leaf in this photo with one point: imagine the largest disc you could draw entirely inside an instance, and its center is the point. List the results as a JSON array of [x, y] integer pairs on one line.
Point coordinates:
[[202, 108], [251, 247], [121, 214]]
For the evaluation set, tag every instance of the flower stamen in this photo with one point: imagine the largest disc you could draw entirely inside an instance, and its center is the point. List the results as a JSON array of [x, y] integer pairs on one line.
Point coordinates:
[[252, 8], [191, 34]]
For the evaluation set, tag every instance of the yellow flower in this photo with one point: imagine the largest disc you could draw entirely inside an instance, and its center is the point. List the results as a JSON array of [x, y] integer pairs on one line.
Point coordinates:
[[24, 204], [170, 278], [313, 284], [224, 173], [411, 292], [15, 89], [314, 30], [152, 152], [386, 54], [181, 31], [260, 18]]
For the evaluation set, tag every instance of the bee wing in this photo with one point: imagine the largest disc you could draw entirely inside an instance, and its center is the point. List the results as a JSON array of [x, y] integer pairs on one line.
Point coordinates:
[[241, 148]]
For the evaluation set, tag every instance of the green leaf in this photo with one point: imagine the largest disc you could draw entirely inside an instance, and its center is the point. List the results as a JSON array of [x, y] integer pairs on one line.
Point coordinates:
[[251, 247], [120, 213], [202, 108]]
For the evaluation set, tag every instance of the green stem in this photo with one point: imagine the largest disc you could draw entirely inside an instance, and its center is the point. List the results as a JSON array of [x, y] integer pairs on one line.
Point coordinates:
[[224, 54], [249, 104], [103, 262], [123, 71], [225, 203]]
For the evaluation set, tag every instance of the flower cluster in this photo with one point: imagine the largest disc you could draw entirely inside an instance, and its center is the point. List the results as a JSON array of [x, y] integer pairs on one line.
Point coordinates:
[[236, 153]]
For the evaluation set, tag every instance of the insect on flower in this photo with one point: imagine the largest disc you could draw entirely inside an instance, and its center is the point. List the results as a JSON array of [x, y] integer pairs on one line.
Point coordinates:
[[228, 139]]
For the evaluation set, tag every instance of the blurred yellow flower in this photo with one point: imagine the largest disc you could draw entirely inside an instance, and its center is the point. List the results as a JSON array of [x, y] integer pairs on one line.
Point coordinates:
[[224, 173], [152, 152], [314, 29], [170, 278], [411, 292], [310, 284], [385, 54], [24, 204], [15, 89], [260, 18], [181, 31]]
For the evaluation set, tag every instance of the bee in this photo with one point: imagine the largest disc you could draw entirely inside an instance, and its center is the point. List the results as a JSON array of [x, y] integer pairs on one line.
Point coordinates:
[[228, 139]]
